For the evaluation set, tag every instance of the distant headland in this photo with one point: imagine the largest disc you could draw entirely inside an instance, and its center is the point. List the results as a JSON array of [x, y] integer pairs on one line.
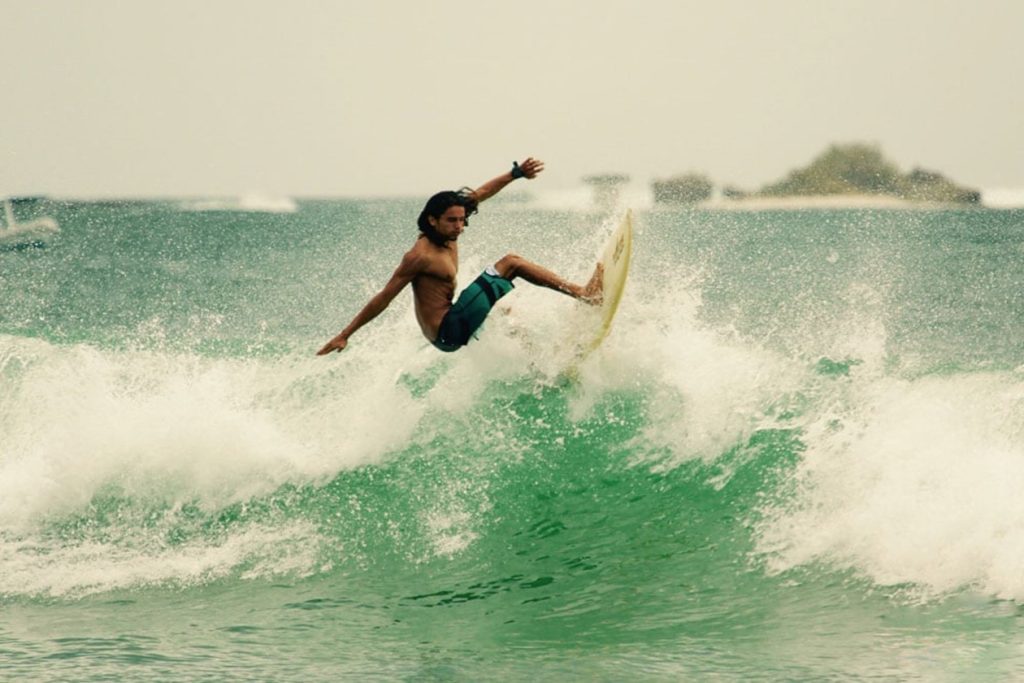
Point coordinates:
[[854, 175]]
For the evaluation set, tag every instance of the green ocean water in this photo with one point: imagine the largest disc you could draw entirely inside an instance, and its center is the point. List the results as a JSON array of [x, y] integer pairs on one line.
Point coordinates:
[[798, 456]]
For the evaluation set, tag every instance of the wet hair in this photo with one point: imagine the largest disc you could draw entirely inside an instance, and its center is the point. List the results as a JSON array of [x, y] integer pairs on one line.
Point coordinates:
[[441, 202]]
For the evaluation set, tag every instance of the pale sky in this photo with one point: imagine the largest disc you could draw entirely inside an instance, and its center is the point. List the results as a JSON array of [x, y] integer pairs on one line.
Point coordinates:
[[384, 98]]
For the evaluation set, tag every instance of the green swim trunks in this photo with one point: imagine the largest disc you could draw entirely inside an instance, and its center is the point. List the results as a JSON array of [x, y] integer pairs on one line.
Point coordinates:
[[468, 312]]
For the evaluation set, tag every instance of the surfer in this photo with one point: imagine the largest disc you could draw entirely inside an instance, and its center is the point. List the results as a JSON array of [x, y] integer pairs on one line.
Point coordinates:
[[433, 262]]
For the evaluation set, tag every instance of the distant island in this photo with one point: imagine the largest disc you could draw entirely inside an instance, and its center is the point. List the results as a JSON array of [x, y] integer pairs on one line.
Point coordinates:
[[852, 174]]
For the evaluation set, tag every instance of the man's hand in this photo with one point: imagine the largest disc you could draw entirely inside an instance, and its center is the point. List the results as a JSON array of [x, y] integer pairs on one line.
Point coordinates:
[[531, 167], [337, 344], [528, 169]]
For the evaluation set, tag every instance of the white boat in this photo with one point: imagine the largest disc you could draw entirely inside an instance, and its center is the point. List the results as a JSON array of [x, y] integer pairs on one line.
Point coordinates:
[[14, 233]]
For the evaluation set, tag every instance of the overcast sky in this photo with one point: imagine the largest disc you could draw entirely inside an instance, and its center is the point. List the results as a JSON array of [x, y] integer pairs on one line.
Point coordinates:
[[387, 97]]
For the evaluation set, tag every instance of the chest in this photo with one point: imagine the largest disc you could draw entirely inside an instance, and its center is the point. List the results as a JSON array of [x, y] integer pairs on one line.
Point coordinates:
[[444, 263]]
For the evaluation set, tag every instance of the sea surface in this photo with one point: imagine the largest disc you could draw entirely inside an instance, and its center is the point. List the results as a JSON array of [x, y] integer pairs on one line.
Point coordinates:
[[798, 456]]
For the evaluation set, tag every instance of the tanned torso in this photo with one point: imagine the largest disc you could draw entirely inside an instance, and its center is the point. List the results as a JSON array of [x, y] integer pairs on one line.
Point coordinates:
[[434, 284]]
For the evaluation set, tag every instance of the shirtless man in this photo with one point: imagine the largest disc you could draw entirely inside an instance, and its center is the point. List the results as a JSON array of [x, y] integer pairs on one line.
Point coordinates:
[[433, 261]]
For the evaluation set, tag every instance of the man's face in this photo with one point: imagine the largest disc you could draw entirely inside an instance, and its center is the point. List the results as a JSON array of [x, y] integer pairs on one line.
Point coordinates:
[[451, 223]]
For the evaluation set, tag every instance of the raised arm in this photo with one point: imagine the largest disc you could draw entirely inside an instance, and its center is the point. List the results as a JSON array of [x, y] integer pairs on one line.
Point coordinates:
[[408, 269], [529, 168]]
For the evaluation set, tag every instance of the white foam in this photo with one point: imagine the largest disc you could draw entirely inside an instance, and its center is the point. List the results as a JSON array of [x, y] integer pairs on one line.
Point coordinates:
[[912, 481], [1003, 197], [250, 202], [74, 420], [65, 569], [708, 389]]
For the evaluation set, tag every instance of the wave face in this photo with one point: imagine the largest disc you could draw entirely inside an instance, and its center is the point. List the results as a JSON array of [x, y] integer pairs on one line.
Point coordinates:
[[796, 456]]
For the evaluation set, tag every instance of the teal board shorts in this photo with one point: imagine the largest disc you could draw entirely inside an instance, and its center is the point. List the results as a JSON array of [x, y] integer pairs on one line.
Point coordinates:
[[470, 310]]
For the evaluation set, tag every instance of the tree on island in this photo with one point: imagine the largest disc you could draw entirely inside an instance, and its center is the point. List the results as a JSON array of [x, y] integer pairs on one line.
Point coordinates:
[[689, 188], [862, 169]]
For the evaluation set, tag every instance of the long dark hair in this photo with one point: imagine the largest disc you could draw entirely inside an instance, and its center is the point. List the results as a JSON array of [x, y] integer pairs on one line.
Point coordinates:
[[441, 202]]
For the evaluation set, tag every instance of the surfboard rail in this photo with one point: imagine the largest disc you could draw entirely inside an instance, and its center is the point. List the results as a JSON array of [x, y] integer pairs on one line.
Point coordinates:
[[615, 258]]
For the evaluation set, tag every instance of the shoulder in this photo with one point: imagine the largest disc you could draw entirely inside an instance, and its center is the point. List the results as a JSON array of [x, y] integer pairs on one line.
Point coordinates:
[[426, 251], [418, 252], [418, 258]]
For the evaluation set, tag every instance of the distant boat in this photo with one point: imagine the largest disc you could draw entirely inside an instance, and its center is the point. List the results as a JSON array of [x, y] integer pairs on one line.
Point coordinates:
[[15, 234]]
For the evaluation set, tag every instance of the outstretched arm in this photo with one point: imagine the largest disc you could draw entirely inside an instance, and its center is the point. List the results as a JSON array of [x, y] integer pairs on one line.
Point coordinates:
[[530, 167], [403, 275]]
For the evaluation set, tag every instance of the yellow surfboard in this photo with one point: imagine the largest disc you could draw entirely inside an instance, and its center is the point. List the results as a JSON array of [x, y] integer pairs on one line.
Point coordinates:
[[615, 258]]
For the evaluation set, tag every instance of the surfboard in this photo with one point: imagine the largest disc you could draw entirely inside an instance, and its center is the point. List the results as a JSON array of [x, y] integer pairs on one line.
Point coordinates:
[[615, 257], [584, 328]]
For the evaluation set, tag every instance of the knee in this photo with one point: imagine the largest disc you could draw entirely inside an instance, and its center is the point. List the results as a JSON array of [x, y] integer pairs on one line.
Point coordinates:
[[508, 265]]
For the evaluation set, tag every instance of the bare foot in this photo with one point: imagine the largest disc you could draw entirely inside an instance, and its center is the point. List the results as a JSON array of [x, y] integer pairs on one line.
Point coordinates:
[[593, 292]]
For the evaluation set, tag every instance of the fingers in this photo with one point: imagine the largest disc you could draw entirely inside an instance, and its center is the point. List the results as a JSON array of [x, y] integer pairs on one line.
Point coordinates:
[[331, 346], [531, 167]]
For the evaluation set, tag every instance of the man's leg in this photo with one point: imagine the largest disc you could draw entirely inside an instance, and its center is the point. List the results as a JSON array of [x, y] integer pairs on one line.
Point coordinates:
[[512, 266]]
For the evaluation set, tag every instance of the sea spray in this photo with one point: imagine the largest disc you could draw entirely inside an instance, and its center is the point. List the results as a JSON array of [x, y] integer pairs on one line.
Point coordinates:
[[800, 420], [914, 482]]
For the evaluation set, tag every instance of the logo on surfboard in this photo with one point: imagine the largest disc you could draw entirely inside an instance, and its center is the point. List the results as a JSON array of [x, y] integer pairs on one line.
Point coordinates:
[[619, 246]]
